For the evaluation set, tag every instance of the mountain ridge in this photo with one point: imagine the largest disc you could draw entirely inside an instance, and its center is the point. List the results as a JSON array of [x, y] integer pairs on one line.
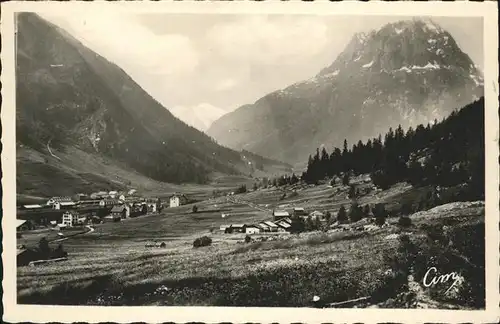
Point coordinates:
[[408, 72], [69, 96]]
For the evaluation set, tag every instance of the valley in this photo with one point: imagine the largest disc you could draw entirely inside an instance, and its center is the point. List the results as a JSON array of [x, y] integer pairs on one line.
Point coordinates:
[[112, 266]]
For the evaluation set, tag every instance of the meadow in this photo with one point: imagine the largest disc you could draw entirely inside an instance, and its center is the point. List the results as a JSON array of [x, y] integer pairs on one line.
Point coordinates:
[[112, 266]]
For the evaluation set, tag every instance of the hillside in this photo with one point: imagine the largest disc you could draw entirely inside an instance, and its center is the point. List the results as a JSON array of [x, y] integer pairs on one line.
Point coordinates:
[[407, 73], [71, 99], [448, 154]]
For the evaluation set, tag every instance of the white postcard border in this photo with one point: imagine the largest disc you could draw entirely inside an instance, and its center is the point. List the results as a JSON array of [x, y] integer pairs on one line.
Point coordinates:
[[35, 313]]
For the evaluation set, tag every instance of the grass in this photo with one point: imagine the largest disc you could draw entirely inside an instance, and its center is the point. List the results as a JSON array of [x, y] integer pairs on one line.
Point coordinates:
[[111, 266]]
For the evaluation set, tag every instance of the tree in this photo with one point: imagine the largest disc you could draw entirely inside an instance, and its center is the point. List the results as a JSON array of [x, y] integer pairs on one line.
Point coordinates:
[[366, 210], [352, 192], [355, 213], [345, 179], [43, 247], [342, 215], [379, 213], [195, 209], [309, 223], [328, 217], [297, 225]]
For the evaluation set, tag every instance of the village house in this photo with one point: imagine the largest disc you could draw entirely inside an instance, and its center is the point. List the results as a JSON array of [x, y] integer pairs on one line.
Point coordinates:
[[272, 226], [70, 219], [54, 200], [108, 202], [236, 228], [121, 197], [113, 194], [299, 211], [279, 214], [121, 211], [223, 228], [263, 227], [316, 214], [284, 225], [32, 207], [252, 229], [177, 200]]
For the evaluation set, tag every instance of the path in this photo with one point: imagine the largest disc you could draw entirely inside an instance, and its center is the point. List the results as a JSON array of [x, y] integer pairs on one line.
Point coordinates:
[[90, 230], [50, 151]]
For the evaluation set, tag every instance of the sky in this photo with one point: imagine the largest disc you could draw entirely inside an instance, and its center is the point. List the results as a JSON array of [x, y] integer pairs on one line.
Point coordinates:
[[228, 60]]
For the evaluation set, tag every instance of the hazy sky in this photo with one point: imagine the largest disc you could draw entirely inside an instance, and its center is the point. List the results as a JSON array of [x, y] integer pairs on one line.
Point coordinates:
[[227, 60]]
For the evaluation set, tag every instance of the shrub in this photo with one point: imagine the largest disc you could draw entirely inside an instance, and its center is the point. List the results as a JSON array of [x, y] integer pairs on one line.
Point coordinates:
[[345, 179], [195, 209], [404, 221], [202, 241], [248, 239]]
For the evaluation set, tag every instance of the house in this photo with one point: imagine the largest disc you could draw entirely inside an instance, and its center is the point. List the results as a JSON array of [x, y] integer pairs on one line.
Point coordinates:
[[111, 218], [279, 214], [283, 225], [113, 194], [55, 200], [31, 207], [272, 226], [23, 225], [108, 202], [70, 219], [177, 200], [263, 227], [252, 229], [223, 228], [131, 192], [316, 214], [122, 211], [299, 211], [236, 228], [63, 205], [121, 197], [152, 207]]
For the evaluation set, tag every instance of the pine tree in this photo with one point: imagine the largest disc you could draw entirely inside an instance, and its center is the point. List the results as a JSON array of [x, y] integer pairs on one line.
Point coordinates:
[[342, 215]]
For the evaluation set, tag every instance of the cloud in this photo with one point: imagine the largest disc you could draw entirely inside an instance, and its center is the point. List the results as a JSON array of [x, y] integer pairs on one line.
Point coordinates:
[[123, 40], [269, 39]]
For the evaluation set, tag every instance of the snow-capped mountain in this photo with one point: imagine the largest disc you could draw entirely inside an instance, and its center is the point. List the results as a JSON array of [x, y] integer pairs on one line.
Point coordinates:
[[408, 72], [200, 116]]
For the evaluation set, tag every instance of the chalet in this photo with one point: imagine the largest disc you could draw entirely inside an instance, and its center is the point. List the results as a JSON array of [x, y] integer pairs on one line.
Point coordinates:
[[299, 211], [122, 211], [70, 219], [272, 226], [279, 214], [252, 229], [177, 200]]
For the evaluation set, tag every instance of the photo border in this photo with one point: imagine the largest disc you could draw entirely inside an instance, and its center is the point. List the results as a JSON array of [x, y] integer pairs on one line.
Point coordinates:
[[125, 314]]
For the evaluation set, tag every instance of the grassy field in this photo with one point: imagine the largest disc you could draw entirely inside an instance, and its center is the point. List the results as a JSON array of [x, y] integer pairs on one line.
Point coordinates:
[[112, 266]]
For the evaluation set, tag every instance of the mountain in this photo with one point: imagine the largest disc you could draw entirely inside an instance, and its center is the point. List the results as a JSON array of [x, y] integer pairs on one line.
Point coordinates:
[[75, 108], [408, 72], [200, 116]]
